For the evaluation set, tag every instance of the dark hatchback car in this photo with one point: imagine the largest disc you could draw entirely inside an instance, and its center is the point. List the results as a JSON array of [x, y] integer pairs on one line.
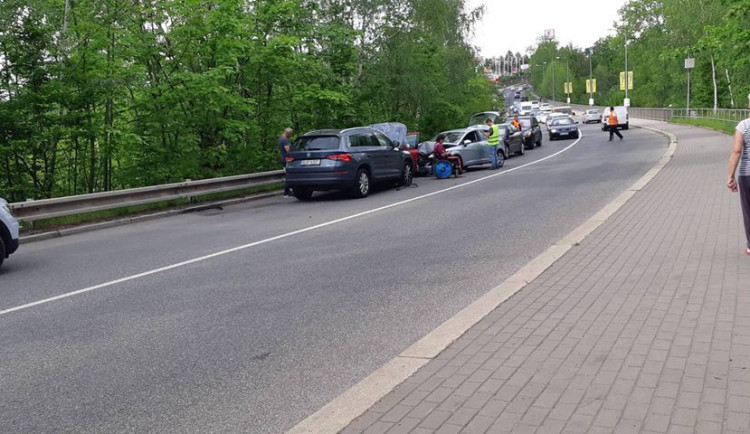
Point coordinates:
[[532, 132], [563, 128], [351, 159], [512, 140]]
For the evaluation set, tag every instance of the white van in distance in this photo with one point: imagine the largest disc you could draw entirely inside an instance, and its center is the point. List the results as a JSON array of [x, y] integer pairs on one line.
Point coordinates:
[[623, 122]]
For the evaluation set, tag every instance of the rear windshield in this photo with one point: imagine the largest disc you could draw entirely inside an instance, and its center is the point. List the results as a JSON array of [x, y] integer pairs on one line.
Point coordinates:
[[480, 118], [316, 143], [566, 110]]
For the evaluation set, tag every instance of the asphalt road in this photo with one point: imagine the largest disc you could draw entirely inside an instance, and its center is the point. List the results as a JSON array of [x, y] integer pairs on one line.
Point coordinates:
[[255, 339]]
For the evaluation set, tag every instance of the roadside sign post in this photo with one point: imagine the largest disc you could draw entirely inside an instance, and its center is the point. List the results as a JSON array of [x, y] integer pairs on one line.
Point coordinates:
[[626, 83], [689, 64]]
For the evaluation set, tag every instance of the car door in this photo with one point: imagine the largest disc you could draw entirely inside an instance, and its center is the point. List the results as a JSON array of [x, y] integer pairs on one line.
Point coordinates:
[[392, 157], [471, 148], [536, 130], [514, 138]]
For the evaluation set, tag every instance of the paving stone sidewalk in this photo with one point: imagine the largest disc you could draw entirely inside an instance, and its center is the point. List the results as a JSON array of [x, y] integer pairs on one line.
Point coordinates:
[[644, 327]]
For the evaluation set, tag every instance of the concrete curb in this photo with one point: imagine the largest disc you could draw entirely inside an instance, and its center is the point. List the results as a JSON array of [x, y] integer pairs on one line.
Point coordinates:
[[140, 218], [342, 410]]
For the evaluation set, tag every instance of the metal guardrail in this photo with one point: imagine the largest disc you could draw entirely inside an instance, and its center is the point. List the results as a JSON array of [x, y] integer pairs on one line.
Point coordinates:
[[729, 116], [32, 210]]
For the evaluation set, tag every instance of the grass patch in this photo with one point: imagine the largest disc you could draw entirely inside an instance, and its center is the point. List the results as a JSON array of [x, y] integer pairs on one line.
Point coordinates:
[[723, 126], [130, 211]]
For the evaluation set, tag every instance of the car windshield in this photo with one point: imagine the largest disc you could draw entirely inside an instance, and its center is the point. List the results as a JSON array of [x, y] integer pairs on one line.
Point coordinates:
[[526, 123], [563, 121], [451, 136], [593, 112], [316, 143]]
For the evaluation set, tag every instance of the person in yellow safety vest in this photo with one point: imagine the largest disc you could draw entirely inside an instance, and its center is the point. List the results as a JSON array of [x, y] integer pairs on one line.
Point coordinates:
[[613, 122], [493, 139]]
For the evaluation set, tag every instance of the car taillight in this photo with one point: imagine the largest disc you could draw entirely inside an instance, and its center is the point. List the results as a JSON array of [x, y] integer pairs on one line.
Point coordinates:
[[345, 158], [288, 159]]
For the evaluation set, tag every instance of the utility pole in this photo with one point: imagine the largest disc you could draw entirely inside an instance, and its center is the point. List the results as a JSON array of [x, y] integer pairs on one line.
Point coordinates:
[[591, 79]]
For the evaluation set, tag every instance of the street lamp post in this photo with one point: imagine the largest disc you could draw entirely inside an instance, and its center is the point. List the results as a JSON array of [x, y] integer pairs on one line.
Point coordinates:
[[553, 78], [567, 78], [591, 79], [626, 103]]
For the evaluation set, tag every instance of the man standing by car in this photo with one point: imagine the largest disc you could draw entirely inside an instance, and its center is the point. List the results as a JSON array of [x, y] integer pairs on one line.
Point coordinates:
[[493, 139], [284, 147], [613, 123]]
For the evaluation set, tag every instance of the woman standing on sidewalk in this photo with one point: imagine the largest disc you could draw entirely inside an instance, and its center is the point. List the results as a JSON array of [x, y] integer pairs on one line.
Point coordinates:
[[741, 154]]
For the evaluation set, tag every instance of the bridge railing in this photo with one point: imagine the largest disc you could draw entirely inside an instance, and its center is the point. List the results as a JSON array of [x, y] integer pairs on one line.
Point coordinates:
[[32, 210]]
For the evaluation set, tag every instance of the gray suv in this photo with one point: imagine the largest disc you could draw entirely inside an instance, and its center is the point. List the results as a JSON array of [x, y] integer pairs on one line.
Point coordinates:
[[8, 231], [351, 159]]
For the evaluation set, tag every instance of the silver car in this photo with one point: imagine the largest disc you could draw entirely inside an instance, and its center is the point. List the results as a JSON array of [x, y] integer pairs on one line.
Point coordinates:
[[8, 231], [469, 144], [592, 115]]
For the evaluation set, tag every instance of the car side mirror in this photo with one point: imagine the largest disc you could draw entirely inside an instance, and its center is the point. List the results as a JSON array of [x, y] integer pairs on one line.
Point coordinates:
[[466, 142]]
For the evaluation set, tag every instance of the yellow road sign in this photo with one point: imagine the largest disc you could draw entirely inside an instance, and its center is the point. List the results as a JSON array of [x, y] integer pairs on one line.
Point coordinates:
[[590, 85], [630, 80]]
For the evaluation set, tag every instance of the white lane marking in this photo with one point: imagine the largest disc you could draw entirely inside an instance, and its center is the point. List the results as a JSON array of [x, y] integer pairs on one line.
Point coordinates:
[[277, 237]]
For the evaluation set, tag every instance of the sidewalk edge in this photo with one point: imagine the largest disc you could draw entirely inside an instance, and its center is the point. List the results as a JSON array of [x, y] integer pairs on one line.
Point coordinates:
[[342, 410]]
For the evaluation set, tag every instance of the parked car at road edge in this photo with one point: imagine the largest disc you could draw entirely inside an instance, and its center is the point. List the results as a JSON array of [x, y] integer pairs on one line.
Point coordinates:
[[350, 159], [9, 229]]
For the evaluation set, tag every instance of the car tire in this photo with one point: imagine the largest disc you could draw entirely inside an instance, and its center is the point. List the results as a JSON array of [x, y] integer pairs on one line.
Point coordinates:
[[578, 134], [500, 158], [539, 142], [522, 149], [2, 251], [362, 184], [626, 126], [407, 175], [551, 138], [302, 193]]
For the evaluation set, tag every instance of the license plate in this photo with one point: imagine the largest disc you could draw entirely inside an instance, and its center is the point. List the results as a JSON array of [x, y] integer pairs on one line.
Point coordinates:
[[311, 162], [563, 134]]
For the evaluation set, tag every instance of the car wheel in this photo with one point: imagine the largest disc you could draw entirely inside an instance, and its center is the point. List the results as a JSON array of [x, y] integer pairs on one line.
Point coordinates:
[[539, 142], [406, 175], [551, 138], [522, 149], [302, 193], [362, 184], [500, 158]]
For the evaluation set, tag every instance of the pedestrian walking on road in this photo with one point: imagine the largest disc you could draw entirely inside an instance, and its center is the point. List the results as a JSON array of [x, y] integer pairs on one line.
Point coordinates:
[[493, 139], [284, 147], [613, 122], [741, 181]]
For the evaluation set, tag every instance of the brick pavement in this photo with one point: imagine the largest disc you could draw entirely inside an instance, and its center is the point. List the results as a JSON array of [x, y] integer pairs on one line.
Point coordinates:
[[644, 327]]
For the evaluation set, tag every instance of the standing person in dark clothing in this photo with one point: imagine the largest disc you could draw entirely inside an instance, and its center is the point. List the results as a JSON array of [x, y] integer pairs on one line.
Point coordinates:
[[284, 147], [613, 122], [741, 156]]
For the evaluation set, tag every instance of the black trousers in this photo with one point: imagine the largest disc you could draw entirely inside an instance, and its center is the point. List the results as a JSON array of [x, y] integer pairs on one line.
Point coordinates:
[[744, 184], [612, 131]]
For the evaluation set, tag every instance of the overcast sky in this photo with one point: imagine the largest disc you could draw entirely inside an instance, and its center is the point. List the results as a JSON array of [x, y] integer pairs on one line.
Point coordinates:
[[516, 25]]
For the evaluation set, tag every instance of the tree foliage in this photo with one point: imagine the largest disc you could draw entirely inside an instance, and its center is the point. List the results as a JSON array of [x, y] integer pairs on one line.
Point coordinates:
[[659, 35], [109, 94]]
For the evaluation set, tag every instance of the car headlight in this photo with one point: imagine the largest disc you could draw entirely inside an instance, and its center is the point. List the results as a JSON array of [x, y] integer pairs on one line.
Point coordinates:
[[554, 130]]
